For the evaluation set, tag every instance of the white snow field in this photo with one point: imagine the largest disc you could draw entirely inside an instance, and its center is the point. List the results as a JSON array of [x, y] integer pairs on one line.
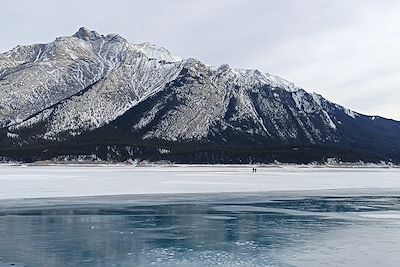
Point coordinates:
[[77, 181]]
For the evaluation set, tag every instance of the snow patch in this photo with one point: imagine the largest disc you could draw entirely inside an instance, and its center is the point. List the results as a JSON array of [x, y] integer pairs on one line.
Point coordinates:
[[152, 51], [328, 118], [350, 113], [12, 135]]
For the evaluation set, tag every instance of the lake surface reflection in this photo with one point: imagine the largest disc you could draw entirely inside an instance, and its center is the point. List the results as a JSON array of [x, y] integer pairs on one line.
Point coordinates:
[[209, 230]]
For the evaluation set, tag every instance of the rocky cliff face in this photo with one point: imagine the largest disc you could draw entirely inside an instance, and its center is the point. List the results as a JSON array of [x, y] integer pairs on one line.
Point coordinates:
[[89, 87]]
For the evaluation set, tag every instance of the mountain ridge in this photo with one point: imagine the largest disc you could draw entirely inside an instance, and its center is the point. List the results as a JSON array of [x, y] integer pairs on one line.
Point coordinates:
[[55, 94]]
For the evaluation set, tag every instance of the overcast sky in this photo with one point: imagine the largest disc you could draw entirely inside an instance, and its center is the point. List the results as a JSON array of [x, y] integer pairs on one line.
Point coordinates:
[[347, 50]]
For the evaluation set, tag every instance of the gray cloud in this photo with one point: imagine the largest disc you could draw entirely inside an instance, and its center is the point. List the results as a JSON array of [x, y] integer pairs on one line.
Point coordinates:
[[346, 50]]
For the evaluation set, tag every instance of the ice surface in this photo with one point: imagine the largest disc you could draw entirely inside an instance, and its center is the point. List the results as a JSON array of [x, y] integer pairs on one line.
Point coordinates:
[[64, 181], [197, 230], [381, 215]]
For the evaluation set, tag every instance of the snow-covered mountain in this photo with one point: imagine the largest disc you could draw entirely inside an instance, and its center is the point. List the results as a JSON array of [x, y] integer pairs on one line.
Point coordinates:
[[106, 93]]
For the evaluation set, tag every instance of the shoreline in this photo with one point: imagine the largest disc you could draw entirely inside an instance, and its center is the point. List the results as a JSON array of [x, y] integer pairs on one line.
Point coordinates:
[[149, 165]]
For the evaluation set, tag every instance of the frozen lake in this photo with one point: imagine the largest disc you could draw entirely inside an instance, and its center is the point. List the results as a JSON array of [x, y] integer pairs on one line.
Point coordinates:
[[198, 216], [298, 229], [63, 181]]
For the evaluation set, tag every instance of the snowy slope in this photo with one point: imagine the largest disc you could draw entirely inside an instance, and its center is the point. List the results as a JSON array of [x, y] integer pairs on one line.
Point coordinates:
[[108, 74]]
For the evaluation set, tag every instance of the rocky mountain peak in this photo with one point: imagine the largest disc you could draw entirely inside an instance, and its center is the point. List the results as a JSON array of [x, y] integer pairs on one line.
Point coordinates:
[[86, 34]]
